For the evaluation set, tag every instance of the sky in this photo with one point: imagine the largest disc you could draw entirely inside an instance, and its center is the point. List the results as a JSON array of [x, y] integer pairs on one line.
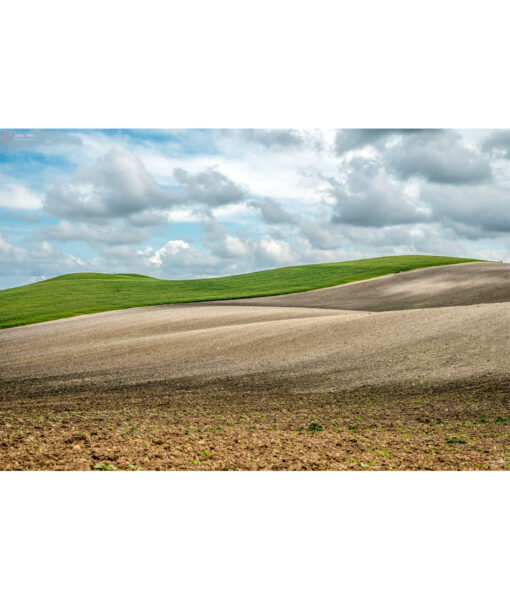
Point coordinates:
[[188, 203]]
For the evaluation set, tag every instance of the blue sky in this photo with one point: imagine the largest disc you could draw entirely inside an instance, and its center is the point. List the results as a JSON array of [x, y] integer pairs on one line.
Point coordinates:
[[201, 203]]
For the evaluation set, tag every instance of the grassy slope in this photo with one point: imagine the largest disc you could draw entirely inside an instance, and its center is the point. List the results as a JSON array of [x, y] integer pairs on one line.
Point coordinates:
[[82, 293]]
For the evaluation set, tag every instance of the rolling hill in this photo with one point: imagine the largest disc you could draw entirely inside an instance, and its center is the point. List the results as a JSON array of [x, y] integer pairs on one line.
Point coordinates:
[[344, 377], [85, 293]]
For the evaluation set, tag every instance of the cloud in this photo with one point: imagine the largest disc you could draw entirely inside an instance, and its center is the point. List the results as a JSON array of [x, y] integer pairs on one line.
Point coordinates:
[[221, 243], [223, 253], [320, 234], [118, 185], [438, 156], [16, 195], [270, 251], [498, 141], [356, 139], [19, 264], [11, 255], [368, 197], [175, 255], [252, 251], [473, 212], [272, 211], [149, 218], [209, 188]]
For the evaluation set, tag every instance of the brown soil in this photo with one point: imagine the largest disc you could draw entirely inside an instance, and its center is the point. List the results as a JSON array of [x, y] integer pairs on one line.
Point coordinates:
[[237, 386], [221, 426], [449, 285]]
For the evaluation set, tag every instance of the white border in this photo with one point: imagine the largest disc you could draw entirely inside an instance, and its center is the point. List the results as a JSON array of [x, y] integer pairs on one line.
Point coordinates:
[[254, 535], [247, 64], [284, 63]]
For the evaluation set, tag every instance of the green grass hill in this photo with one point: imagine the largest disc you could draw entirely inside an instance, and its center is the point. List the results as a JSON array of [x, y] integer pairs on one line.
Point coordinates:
[[84, 293]]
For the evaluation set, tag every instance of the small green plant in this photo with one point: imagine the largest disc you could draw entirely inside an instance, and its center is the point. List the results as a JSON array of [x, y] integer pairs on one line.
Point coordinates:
[[130, 431], [454, 440], [103, 467], [314, 427], [502, 420], [352, 427]]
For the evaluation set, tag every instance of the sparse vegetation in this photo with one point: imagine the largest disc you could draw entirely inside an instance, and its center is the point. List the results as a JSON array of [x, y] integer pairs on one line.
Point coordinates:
[[313, 427], [220, 441]]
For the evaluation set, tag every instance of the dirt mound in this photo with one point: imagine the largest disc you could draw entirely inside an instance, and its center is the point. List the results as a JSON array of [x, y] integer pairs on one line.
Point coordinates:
[[307, 338], [314, 349], [450, 285]]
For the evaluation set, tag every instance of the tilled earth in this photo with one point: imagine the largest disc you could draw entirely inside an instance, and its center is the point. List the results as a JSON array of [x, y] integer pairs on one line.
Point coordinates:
[[453, 427], [259, 385]]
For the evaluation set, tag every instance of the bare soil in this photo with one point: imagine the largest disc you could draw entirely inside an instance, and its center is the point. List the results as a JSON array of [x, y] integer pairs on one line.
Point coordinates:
[[448, 285], [259, 384]]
